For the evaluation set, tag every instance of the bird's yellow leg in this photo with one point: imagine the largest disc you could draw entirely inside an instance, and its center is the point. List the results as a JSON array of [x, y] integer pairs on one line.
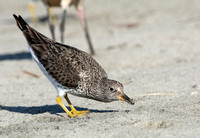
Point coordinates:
[[59, 101], [52, 15], [31, 7], [73, 110]]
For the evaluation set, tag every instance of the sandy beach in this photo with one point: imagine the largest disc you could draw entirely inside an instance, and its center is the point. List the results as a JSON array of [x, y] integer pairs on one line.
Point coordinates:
[[152, 47]]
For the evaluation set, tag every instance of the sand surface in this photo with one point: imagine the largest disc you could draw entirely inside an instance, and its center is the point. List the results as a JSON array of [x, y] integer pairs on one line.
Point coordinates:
[[152, 47]]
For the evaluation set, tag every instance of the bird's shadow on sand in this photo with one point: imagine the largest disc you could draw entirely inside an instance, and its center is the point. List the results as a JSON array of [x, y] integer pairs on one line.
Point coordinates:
[[41, 19], [11, 21], [52, 109], [15, 56]]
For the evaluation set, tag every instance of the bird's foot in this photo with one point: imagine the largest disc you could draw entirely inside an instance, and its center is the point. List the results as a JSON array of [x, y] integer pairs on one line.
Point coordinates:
[[78, 113]]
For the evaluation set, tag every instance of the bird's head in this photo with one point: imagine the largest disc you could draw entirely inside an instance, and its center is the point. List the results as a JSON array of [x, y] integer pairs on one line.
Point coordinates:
[[112, 90]]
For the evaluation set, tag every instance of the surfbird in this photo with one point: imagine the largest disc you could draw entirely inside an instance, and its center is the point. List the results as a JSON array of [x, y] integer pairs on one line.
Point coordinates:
[[70, 70]]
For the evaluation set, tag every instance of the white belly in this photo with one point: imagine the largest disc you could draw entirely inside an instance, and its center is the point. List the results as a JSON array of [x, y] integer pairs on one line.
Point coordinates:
[[62, 90]]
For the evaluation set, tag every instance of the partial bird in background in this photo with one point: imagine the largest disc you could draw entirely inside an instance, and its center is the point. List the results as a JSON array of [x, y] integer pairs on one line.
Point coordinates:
[[64, 4]]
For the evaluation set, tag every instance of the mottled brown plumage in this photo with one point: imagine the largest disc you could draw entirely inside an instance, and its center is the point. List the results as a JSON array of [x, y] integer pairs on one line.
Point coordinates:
[[71, 70], [69, 66], [57, 3]]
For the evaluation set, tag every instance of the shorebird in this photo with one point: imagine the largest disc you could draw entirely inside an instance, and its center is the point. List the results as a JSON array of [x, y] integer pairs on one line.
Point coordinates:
[[71, 70], [64, 4]]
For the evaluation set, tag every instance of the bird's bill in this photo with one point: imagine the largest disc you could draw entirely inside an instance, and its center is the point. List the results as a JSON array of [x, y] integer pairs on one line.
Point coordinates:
[[124, 97]]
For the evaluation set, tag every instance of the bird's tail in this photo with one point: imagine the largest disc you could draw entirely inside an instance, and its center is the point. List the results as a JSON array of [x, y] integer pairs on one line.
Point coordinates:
[[21, 23], [32, 36]]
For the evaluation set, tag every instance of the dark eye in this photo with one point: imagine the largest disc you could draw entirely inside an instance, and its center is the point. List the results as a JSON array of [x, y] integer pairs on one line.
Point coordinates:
[[111, 89]]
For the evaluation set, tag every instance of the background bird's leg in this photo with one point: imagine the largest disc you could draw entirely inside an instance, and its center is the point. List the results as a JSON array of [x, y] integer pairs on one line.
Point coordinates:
[[31, 7], [51, 23], [59, 101], [62, 25], [73, 110], [53, 17], [83, 21]]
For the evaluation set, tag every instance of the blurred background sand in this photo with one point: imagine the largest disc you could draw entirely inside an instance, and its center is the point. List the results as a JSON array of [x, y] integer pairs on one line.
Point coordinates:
[[152, 47]]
